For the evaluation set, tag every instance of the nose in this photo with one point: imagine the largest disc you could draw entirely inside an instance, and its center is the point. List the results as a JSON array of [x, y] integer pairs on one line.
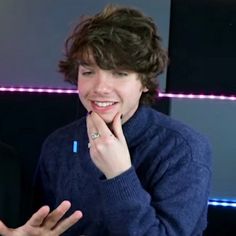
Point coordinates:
[[102, 83]]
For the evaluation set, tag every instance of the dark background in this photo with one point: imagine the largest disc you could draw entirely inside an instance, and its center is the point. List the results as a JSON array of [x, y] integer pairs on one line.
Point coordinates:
[[202, 47]]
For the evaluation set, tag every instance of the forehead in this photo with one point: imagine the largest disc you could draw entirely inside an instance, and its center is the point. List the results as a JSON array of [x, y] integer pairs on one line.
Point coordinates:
[[86, 58]]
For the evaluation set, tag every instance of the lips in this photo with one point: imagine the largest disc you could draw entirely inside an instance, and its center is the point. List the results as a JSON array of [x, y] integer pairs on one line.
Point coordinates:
[[104, 104]]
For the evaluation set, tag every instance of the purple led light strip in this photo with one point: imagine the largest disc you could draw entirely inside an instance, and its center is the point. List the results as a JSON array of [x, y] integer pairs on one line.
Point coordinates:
[[37, 90], [74, 91], [198, 96]]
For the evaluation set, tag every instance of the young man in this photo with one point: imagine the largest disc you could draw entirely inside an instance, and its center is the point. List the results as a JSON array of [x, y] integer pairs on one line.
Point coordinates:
[[135, 170]]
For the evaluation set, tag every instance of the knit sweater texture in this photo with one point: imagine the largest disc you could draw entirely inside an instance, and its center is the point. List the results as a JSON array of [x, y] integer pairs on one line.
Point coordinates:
[[165, 192]]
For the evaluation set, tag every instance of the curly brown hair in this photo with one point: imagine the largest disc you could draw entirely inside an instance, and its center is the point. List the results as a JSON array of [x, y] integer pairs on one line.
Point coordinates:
[[118, 38]]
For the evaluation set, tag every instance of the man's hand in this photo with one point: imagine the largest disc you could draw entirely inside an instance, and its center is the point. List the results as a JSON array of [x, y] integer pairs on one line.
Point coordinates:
[[44, 223], [108, 149]]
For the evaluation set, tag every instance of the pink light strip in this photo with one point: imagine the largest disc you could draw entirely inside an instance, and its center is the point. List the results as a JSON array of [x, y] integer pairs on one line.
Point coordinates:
[[198, 96], [37, 90], [74, 91]]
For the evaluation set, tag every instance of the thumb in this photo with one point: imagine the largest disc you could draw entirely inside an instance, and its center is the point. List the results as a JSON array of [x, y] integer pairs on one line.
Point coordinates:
[[117, 127], [4, 230]]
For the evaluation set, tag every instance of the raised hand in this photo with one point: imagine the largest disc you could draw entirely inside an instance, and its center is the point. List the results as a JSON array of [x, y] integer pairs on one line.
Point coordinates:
[[108, 149], [44, 223]]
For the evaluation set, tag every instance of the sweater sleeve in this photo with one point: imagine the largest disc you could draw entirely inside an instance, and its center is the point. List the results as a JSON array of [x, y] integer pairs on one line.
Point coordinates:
[[174, 203]]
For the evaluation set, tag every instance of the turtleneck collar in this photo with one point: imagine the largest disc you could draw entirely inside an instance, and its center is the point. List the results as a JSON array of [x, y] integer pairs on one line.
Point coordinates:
[[135, 127]]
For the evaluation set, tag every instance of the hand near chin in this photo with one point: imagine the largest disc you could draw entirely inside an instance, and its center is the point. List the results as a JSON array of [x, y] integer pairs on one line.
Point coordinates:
[[44, 223], [108, 149]]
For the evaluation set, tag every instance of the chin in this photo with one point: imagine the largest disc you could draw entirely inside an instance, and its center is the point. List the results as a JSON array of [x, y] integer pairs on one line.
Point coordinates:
[[107, 119]]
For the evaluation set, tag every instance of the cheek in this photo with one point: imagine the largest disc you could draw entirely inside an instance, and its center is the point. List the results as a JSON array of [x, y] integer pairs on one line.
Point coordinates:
[[82, 96], [133, 90], [81, 91], [82, 87], [79, 84]]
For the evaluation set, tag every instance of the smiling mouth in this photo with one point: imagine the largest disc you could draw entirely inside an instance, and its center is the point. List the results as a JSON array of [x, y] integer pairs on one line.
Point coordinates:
[[104, 104]]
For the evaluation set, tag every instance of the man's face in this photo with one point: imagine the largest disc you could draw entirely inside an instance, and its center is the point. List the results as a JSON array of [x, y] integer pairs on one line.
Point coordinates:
[[108, 92]]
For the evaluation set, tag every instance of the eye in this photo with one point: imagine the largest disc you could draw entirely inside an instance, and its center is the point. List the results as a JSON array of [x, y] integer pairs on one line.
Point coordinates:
[[120, 73], [87, 73]]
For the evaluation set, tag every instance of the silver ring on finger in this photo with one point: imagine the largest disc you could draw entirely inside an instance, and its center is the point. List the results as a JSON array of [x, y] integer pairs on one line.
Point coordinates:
[[95, 135]]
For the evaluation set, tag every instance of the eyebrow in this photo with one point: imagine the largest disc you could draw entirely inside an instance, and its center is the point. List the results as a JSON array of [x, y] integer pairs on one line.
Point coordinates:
[[84, 63]]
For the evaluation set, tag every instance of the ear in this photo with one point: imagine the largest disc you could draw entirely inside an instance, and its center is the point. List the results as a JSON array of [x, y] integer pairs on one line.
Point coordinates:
[[145, 89]]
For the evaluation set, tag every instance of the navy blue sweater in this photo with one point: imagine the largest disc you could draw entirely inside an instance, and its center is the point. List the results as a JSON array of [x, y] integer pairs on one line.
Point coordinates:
[[165, 192]]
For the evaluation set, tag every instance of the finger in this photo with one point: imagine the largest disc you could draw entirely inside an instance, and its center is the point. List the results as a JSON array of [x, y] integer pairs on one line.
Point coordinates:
[[4, 230], [39, 216], [90, 127], [90, 130], [68, 222], [99, 124], [117, 127], [53, 218]]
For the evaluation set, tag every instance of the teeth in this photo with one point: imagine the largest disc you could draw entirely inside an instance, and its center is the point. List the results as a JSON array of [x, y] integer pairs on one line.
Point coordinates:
[[104, 104]]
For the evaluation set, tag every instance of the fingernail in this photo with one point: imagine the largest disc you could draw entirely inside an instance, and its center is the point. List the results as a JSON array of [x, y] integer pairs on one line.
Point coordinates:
[[89, 113]]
